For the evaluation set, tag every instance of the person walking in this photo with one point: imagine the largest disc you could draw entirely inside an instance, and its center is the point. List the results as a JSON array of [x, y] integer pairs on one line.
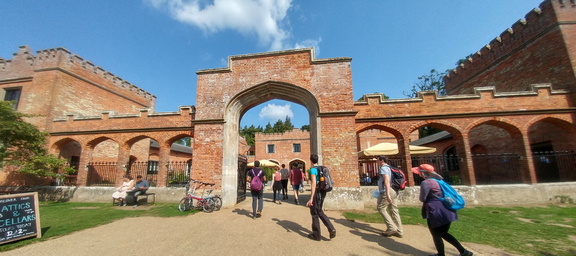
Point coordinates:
[[277, 185], [257, 193], [387, 202], [296, 178], [285, 175], [316, 202], [437, 216]]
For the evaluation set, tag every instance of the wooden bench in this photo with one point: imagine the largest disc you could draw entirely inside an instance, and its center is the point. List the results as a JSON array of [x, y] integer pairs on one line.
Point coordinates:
[[143, 198]]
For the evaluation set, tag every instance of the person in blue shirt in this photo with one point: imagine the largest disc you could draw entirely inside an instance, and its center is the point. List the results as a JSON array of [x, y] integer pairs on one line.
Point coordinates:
[[316, 202], [140, 187], [387, 203]]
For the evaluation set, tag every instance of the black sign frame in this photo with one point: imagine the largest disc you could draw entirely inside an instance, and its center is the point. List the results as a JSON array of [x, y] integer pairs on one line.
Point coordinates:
[[19, 217]]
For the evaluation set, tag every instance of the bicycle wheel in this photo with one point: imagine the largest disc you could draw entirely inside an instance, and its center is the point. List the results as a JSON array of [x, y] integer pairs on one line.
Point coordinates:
[[208, 205], [185, 204], [217, 203]]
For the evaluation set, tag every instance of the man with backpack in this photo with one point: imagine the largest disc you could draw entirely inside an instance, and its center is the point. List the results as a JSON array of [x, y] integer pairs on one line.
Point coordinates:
[[317, 201], [256, 177], [387, 203]]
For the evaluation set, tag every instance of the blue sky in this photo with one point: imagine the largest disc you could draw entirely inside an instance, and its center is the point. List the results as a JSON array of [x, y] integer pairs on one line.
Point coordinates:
[[158, 45]]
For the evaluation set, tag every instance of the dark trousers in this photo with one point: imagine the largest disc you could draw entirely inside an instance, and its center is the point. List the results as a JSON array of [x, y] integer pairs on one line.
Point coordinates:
[[440, 233], [318, 214], [257, 201], [284, 188]]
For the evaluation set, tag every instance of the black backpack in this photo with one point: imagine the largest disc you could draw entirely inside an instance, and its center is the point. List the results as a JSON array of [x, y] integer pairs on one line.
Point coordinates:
[[398, 181], [326, 182]]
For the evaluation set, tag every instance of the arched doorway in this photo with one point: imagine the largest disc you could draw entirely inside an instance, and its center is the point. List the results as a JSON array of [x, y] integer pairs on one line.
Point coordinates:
[[244, 101]]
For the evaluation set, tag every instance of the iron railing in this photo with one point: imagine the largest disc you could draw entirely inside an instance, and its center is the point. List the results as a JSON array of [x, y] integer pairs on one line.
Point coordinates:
[[503, 168], [148, 170], [102, 174], [178, 173]]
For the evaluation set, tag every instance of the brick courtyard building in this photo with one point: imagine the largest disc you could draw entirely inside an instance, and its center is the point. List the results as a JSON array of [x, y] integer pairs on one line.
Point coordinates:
[[512, 99]]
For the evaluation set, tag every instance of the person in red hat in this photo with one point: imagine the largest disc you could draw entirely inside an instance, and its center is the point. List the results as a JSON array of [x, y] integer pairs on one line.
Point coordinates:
[[437, 216]]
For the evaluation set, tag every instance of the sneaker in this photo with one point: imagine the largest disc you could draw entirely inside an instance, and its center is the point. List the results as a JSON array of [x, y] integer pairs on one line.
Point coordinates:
[[397, 234], [466, 253], [258, 214], [134, 206], [296, 201], [332, 234], [390, 233], [311, 236]]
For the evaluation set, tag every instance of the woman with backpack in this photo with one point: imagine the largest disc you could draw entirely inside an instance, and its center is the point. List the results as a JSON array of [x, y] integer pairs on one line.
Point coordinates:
[[433, 210]]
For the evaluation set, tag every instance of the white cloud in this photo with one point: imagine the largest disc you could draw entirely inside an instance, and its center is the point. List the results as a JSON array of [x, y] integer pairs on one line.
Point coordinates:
[[262, 18], [310, 43], [274, 112]]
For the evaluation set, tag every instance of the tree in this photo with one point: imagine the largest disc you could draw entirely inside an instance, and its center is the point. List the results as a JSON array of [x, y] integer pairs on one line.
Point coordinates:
[[22, 145], [279, 127], [430, 82]]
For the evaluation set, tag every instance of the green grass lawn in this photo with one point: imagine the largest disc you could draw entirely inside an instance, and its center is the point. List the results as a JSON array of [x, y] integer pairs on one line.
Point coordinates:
[[539, 230], [59, 219]]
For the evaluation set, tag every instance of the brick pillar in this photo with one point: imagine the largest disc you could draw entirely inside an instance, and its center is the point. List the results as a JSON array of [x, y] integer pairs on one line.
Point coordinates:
[[164, 155], [85, 158], [122, 164], [404, 150], [466, 164], [527, 162]]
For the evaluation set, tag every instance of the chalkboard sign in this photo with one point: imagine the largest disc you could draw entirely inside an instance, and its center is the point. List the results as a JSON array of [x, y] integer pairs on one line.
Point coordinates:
[[19, 217]]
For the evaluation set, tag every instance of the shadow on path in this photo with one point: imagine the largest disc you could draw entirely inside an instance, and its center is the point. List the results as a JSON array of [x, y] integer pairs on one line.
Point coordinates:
[[371, 234]]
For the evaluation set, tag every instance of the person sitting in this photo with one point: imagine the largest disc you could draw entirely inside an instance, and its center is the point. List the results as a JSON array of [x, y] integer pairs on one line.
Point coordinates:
[[141, 187], [120, 194]]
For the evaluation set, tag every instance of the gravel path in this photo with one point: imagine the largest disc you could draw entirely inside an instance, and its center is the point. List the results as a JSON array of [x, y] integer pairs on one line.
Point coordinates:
[[282, 230]]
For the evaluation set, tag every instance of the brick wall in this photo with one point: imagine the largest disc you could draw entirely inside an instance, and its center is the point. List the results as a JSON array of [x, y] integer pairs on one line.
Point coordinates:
[[536, 49]]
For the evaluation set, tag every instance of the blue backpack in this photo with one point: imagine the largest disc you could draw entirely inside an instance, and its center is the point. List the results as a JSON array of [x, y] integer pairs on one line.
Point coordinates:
[[451, 200]]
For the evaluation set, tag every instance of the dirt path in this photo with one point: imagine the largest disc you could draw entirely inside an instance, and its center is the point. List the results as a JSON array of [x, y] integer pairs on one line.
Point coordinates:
[[282, 230]]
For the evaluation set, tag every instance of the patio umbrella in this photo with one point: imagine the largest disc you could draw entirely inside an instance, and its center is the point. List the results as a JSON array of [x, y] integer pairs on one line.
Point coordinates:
[[387, 148], [265, 163]]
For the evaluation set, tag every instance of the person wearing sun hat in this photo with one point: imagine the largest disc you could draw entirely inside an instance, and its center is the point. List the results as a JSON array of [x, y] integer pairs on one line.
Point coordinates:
[[438, 217]]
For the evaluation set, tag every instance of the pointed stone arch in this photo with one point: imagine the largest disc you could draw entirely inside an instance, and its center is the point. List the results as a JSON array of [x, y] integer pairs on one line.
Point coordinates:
[[251, 97]]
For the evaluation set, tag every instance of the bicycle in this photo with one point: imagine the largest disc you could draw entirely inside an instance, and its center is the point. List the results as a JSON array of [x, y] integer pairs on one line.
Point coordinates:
[[206, 203], [217, 199]]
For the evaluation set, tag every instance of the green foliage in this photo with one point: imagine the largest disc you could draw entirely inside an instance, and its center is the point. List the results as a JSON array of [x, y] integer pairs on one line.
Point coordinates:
[[279, 127], [22, 145], [268, 171], [46, 165], [184, 141], [430, 82], [564, 199], [534, 230], [305, 127], [19, 140]]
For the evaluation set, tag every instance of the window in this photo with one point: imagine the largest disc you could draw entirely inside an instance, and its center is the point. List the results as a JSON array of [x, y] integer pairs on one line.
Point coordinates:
[[270, 149], [13, 94], [296, 148], [152, 167]]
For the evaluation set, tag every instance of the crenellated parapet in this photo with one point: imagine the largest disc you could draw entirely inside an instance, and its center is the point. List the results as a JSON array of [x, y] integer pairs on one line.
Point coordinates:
[[534, 26], [110, 121], [25, 63], [484, 101]]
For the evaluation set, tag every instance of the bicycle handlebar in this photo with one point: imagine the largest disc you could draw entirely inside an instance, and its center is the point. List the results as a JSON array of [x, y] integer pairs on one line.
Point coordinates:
[[203, 183]]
